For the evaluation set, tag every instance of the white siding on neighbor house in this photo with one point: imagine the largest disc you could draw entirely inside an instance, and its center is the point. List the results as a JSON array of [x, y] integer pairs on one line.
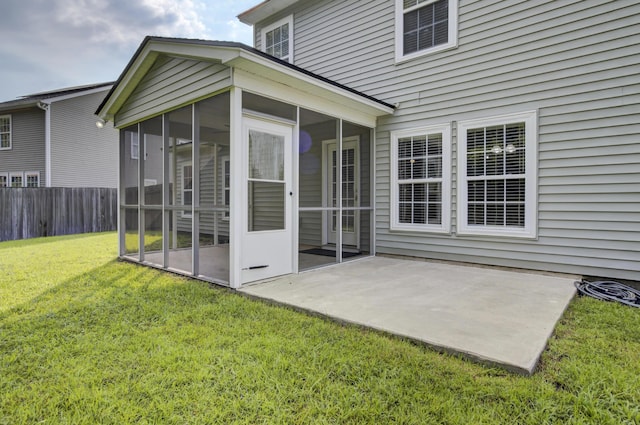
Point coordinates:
[[171, 83], [27, 151], [82, 155], [575, 62]]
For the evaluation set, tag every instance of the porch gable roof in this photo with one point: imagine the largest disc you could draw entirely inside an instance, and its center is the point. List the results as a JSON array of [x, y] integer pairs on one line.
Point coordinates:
[[234, 55]]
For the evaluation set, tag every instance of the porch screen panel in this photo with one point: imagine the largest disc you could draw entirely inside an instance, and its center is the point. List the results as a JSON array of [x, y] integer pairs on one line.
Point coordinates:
[[152, 154], [266, 181], [129, 160]]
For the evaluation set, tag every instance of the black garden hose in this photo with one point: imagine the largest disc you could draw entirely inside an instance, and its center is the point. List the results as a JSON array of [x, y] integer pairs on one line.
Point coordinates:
[[608, 290]]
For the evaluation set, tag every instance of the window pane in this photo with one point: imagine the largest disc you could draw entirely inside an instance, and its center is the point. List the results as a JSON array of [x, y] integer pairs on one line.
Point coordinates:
[[475, 214], [475, 191], [435, 144], [495, 215], [266, 206], [419, 192], [441, 10], [515, 215], [266, 156], [495, 190], [441, 33], [5, 125], [435, 167], [404, 148], [435, 192], [419, 168], [435, 214], [515, 190]]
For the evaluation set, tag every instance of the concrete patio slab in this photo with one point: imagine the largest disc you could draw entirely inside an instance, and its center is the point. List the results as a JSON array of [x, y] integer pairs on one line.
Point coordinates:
[[499, 317]]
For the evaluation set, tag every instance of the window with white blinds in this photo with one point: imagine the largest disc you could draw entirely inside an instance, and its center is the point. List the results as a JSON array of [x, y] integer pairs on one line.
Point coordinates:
[[421, 167], [277, 39], [424, 26], [497, 176]]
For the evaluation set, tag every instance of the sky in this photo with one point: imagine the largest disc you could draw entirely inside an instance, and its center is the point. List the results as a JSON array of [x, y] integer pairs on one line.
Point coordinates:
[[52, 44]]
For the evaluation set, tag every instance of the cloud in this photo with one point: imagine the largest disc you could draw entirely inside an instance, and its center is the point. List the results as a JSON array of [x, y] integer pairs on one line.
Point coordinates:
[[72, 42]]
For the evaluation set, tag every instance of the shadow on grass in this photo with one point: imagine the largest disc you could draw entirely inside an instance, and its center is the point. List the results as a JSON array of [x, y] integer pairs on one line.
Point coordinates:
[[18, 243]]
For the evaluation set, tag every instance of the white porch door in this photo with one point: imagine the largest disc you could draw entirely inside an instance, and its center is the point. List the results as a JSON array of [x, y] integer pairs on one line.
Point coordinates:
[[350, 189], [267, 237]]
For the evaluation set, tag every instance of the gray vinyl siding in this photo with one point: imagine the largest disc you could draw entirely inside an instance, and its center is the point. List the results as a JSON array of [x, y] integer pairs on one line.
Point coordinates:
[[82, 155], [27, 151], [574, 62], [171, 83]]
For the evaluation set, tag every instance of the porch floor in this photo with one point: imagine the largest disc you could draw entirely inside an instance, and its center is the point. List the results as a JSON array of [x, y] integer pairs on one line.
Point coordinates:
[[499, 317]]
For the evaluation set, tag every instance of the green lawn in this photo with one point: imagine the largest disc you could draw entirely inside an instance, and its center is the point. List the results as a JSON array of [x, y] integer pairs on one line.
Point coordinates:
[[86, 339]]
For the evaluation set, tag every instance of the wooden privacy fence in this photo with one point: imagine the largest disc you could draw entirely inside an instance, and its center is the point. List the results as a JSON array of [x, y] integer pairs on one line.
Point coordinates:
[[49, 211]]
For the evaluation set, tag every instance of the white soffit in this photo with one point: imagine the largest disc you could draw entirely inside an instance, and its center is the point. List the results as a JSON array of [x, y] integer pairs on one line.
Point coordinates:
[[263, 10]]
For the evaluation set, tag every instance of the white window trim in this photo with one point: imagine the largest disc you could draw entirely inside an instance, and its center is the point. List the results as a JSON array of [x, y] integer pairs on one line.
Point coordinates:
[[28, 174], [10, 133], [6, 176], [281, 22], [186, 214], [399, 31], [16, 174], [531, 177], [445, 225]]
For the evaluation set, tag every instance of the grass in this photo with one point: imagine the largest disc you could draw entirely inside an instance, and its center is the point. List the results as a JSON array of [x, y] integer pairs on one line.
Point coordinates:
[[86, 339]]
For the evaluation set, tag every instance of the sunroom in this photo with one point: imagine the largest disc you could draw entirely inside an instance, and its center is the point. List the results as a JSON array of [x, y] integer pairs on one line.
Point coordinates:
[[236, 166]]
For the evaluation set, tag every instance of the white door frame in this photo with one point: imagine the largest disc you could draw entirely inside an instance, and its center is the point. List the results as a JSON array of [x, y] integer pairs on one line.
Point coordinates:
[[266, 253], [353, 141]]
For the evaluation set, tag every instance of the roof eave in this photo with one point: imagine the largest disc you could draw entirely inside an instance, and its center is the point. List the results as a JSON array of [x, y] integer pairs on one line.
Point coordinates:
[[228, 53], [263, 10]]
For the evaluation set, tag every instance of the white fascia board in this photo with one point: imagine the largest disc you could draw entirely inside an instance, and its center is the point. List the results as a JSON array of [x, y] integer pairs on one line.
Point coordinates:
[[128, 83], [147, 57]]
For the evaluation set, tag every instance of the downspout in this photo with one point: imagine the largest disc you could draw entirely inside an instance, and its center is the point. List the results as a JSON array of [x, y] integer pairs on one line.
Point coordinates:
[[46, 107]]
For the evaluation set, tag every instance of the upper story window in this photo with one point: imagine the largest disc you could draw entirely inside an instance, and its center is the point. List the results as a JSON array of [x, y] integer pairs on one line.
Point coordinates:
[[277, 39], [497, 176], [425, 26], [5, 131]]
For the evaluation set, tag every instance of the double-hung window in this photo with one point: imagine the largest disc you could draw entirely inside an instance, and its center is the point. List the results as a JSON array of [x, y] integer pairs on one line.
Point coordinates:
[[187, 188], [16, 179], [425, 26], [421, 182], [32, 179], [4, 179], [497, 176], [277, 39], [5, 132]]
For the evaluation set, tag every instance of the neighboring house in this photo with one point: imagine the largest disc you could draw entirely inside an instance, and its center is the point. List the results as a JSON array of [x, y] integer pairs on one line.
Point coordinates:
[[51, 139], [497, 133]]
